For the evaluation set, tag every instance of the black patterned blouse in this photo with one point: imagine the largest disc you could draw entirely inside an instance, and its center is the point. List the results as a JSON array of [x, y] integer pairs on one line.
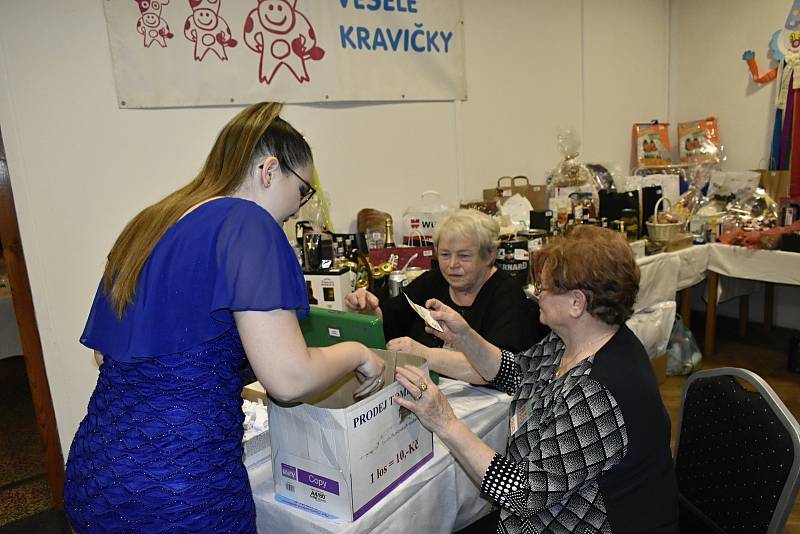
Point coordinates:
[[568, 466]]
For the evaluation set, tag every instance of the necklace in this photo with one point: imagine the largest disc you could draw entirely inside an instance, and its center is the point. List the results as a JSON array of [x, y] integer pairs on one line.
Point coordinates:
[[565, 365]]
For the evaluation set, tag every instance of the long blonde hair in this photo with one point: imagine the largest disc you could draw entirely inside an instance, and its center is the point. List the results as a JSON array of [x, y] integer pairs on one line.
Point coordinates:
[[256, 130]]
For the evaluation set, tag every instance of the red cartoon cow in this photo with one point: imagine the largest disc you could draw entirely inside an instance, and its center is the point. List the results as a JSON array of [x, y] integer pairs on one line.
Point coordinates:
[[151, 25], [207, 30], [283, 36]]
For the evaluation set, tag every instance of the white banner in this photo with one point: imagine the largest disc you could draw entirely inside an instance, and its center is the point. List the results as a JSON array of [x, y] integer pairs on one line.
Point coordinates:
[[170, 53]]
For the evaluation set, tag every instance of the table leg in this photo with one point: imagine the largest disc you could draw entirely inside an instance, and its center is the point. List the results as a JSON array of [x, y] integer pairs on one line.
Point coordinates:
[[744, 314], [686, 306], [712, 279], [769, 304]]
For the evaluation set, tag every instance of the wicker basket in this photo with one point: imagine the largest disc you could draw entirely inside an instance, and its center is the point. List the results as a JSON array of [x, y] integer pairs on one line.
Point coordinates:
[[663, 232]]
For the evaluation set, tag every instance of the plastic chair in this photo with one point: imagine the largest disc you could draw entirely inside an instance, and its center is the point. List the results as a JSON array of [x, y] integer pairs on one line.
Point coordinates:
[[737, 458]]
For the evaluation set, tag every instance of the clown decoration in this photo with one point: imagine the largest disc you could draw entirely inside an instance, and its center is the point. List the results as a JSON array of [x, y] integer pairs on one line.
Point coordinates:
[[207, 30], [283, 37], [785, 48], [150, 24]]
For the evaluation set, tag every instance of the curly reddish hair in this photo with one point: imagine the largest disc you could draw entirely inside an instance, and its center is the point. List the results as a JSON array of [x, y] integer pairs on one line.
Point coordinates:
[[599, 263]]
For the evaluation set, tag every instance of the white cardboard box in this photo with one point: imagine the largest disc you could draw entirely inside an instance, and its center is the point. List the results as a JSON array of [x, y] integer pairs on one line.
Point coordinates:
[[339, 458], [329, 289], [255, 448]]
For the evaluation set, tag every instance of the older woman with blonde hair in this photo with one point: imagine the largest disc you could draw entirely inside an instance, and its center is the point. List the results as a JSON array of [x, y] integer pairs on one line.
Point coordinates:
[[588, 446], [467, 281]]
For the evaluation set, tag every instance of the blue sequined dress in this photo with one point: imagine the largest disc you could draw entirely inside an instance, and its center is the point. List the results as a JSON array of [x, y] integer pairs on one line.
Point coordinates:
[[160, 447]]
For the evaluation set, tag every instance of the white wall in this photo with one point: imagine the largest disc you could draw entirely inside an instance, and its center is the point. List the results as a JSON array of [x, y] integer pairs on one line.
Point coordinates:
[[81, 167], [709, 77]]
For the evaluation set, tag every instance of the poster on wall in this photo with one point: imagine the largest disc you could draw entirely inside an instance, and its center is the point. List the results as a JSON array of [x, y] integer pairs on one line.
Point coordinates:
[[178, 53]]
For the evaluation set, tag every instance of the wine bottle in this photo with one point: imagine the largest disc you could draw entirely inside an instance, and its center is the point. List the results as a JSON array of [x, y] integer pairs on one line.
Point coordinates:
[[389, 242]]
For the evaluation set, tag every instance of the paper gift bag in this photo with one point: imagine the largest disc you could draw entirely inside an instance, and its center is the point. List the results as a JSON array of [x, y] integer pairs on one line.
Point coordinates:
[[421, 220], [508, 187], [775, 182]]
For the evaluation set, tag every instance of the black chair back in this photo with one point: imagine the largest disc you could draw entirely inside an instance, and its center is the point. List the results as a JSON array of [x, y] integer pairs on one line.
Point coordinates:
[[737, 459]]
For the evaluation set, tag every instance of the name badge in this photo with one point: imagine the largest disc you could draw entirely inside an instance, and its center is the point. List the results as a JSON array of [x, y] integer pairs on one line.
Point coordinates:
[[523, 412]]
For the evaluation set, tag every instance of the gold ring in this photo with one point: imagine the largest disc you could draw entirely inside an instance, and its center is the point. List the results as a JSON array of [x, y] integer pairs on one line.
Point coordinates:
[[423, 387]]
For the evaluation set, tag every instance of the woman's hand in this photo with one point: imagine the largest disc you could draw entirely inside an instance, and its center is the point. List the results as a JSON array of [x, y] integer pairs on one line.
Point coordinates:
[[426, 400], [370, 374], [363, 301], [454, 325], [409, 346]]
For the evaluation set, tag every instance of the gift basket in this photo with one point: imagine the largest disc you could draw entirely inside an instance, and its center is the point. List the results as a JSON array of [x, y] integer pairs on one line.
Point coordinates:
[[664, 226]]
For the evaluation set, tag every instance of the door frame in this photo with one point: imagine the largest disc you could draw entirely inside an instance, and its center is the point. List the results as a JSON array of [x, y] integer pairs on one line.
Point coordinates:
[[29, 334]]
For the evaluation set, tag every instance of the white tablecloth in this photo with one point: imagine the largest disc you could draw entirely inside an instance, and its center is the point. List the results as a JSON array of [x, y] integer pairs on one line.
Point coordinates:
[[693, 265], [667, 273], [762, 265], [439, 498]]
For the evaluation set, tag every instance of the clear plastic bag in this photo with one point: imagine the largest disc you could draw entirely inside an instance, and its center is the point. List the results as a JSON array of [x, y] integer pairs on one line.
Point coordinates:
[[683, 353], [570, 172]]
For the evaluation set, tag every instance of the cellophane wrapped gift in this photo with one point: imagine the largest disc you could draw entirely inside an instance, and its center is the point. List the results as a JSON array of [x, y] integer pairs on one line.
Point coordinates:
[[571, 179], [570, 172], [754, 213]]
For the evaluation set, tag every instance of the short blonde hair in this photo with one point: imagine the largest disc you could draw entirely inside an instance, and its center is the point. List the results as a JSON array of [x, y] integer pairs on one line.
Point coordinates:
[[471, 225]]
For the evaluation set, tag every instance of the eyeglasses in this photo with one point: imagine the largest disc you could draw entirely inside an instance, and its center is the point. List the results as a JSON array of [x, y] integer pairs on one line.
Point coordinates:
[[538, 287], [306, 192], [306, 195]]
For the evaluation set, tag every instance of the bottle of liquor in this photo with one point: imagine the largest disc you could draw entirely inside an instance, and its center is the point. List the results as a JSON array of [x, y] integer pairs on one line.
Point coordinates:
[[389, 242], [311, 298], [570, 224]]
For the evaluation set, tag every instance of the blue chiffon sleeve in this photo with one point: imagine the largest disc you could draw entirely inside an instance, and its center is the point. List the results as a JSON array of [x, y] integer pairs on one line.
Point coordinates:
[[258, 269], [228, 255]]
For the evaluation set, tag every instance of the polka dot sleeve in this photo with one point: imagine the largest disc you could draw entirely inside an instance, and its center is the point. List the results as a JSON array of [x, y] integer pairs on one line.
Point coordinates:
[[503, 477], [509, 376]]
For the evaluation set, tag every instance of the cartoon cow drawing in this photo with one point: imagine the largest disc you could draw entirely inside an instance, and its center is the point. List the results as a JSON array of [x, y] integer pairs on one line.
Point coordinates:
[[283, 37], [150, 25], [207, 30]]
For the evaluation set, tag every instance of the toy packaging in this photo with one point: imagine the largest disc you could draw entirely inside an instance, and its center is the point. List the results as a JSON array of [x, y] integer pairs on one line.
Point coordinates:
[[699, 141], [652, 143]]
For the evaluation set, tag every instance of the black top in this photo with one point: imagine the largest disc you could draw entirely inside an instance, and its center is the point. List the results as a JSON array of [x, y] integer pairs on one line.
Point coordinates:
[[500, 313], [587, 452], [646, 473]]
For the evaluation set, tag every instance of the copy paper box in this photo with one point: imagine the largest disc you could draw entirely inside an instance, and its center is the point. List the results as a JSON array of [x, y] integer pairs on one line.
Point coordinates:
[[338, 457]]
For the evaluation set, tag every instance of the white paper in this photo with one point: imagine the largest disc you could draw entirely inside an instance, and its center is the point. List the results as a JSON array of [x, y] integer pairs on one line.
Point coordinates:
[[426, 315]]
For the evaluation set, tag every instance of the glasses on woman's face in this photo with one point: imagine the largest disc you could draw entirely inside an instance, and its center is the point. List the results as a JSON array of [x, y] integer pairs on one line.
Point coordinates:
[[538, 287], [306, 190]]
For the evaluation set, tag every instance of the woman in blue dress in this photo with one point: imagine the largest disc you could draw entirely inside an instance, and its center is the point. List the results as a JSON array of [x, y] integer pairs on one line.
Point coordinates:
[[196, 285]]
